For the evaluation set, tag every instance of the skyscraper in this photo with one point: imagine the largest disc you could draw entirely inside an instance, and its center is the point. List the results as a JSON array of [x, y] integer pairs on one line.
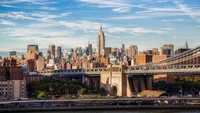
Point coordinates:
[[100, 42], [79, 51], [155, 51], [52, 51], [132, 51], [32, 48], [58, 52], [90, 49], [123, 47], [13, 53], [168, 47]]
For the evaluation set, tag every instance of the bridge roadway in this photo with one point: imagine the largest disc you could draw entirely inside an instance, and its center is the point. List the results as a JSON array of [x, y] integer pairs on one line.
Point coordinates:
[[129, 71], [114, 99]]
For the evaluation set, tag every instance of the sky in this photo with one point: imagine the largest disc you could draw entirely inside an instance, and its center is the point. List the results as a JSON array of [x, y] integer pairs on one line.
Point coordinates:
[[72, 23]]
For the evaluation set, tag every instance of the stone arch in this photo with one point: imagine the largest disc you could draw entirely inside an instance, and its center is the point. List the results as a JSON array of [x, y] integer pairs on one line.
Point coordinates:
[[115, 90]]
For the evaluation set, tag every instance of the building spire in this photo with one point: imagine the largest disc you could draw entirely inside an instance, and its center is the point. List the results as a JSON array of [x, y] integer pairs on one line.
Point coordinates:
[[186, 45]]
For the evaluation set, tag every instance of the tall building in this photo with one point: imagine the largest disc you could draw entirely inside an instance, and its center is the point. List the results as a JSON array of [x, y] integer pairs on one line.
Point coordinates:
[[107, 50], [41, 63], [132, 51], [31, 65], [58, 52], [51, 51], [32, 48], [13, 54], [90, 49], [155, 51], [79, 51], [168, 47], [123, 47], [100, 42], [143, 58]]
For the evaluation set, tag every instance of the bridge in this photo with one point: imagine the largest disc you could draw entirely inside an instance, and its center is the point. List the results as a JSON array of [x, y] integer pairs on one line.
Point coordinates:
[[126, 81]]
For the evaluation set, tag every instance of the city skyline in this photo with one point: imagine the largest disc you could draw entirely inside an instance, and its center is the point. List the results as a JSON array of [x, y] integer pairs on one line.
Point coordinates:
[[147, 23]]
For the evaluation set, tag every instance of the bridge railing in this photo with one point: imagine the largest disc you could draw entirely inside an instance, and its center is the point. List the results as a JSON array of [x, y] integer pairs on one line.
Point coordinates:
[[86, 70]]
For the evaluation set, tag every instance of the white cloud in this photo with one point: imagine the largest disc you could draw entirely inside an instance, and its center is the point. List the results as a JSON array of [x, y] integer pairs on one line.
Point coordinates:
[[168, 29], [8, 6], [135, 31], [66, 14], [49, 8], [144, 30], [39, 16], [16, 15], [166, 9], [118, 5], [188, 10], [121, 10], [27, 1], [4, 22], [176, 20], [163, 1]]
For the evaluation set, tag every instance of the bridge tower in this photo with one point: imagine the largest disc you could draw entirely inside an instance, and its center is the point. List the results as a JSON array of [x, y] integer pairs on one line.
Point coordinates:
[[114, 80]]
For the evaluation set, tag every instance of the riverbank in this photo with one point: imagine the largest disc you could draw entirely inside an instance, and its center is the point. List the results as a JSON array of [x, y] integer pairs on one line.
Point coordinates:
[[82, 108]]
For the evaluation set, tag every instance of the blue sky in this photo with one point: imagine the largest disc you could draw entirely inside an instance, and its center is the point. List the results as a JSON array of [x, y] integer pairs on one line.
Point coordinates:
[[71, 23]]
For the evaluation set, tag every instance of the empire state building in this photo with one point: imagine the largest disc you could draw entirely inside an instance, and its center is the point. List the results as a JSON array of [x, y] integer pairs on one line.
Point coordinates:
[[100, 42]]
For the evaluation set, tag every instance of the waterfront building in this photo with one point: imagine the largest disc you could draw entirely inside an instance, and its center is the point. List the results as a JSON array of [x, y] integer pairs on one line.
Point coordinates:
[[13, 89], [100, 42]]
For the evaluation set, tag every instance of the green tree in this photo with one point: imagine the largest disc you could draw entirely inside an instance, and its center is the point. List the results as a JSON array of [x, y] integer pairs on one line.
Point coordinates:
[[41, 94]]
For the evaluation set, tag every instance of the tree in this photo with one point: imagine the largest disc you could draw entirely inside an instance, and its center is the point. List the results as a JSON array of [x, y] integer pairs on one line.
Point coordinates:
[[41, 94]]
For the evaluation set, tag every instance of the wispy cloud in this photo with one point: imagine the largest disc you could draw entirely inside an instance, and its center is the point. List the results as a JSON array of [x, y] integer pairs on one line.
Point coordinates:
[[136, 31], [9, 6], [16, 15], [5, 22], [167, 9], [27, 1], [163, 0], [121, 10], [39, 16], [49, 8], [188, 10], [168, 29], [176, 20], [117, 5]]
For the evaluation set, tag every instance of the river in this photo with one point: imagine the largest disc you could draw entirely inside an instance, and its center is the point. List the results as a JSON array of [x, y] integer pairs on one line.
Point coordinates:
[[128, 111]]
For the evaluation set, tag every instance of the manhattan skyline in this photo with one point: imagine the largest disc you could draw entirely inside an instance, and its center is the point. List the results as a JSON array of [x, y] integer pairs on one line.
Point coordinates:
[[71, 23]]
